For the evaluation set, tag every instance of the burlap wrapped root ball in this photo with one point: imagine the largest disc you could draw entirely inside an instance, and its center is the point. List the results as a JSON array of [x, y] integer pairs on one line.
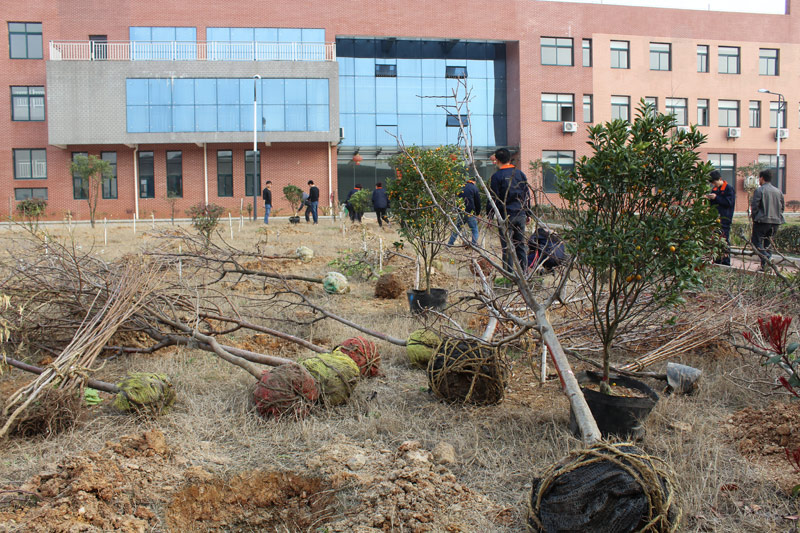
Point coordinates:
[[364, 353], [421, 346], [335, 283], [286, 390], [467, 372], [144, 392], [613, 488], [304, 254], [336, 375]]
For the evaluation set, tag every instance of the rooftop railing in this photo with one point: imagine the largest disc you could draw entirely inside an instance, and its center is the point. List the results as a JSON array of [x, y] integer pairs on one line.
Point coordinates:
[[189, 51]]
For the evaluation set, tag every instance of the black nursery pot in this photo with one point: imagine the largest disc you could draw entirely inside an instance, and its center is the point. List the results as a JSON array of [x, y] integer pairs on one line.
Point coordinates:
[[419, 301], [616, 415], [294, 220]]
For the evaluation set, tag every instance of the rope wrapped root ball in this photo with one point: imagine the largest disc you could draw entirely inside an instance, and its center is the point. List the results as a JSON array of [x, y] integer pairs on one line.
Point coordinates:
[[364, 353], [467, 371], [144, 391], [304, 254], [335, 283], [421, 346], [336, 375], [609, 488], [286, 390]]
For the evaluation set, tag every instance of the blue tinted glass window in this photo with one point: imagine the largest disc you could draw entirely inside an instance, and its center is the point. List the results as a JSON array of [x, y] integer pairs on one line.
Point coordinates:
[[479, 125], [408, 95], [136, 92], [386, 119], [183, 118], [183, 92], [318, 118], [365, 129], [410, 128], [409, 67], [160, 92], [386, 136], [290, 35], [275, 118], [312, 35], [476, 69], [160, 118], [346, 66], [242, 34], [433, 68], [365, 94], [186, 34], [138, 119], [295, 92], [272, 91], [317, 91], [347, 121], [205, 118], [434, 131], [138, 33], [163, 34], [228, 118], [347, 94], [266, 35], [246, 117], [364, 66], [228, 92], [246, 91], [218, 34], [386, 95], [295, 118], [205, 91]]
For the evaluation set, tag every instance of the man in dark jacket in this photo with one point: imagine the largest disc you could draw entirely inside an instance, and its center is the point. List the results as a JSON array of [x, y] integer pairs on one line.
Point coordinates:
[[723, 197], [509, 191], [472, 209], [312, 203], [267, 196], [380, 201], [354, 215], [766, 209]]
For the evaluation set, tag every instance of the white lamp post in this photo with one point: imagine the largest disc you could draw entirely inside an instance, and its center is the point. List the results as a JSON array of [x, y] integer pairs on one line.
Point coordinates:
[[256, 192], [781, 107]]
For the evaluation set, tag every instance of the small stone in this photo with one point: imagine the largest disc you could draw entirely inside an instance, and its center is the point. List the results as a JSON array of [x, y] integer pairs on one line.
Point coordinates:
[[144, 513], [683, 427], [784, 429], [444, 453], [357, 462]]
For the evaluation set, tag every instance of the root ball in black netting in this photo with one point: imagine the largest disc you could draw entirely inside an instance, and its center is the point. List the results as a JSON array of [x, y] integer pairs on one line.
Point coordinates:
[[52, 412], [608, 488], [468, 372]]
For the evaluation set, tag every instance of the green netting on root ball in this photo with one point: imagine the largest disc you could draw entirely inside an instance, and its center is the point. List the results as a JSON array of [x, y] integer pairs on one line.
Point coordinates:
[[335, 283], [144, 391], [336, 375], [421, 346], [286, 390], [467, 371], [364, 353], [607, 488]]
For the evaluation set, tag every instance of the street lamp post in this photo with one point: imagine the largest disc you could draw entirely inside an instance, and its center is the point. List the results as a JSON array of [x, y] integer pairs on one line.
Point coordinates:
[[255, 149], [781, 107]]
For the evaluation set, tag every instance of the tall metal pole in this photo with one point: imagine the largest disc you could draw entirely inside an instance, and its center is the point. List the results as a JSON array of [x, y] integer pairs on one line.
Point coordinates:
[[781, 104], [255, 150]]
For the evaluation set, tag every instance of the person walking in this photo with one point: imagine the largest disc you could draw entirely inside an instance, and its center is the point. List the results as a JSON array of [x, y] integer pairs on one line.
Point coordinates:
[[266, 194], [380, 201], [508, 189], [472, 209], [766, 210], [312, 202], [723, 197], [354, 215]]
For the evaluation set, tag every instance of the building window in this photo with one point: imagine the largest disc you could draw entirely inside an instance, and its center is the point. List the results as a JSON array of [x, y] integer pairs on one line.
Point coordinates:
[[619, 54], [726, 164], [147, 179], [30, 164], [248, 171], [702, 112], [385, 71], [167, 43], [660, 56], [175, 174], [452, 121], [80, 189], [678, 108], [455, 72], [556, 51], [558, 107], [774, 115], [771, 160], [728, 113], [110, 183], [27, 103], [621, 107], [729, 60], [702, 58], [224, 173], [30, 193], [755, 113], [588, 111], [555, 158], [25, 40], [652, 104], [587, 52], [768, 62]]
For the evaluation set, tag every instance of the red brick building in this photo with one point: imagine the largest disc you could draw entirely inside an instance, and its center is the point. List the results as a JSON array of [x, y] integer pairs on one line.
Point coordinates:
[[165, 91]]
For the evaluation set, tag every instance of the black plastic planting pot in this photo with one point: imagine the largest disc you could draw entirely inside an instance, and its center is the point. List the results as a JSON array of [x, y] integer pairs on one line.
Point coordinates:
[[419, 301]]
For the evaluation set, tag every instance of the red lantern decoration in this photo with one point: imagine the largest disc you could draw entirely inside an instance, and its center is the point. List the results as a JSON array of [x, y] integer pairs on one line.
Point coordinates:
[[357, 159]]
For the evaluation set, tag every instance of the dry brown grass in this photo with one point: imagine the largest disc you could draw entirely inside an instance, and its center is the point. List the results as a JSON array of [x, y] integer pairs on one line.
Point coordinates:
[[499, 449]]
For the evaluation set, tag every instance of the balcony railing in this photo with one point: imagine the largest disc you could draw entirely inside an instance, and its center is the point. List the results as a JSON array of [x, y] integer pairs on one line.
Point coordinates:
[[189, 51]]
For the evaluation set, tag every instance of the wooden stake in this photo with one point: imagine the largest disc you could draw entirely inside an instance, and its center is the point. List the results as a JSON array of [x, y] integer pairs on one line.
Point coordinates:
[[134, 223], [180, 263], [105, 231], [380, 254], [153, 219], [230, 223], [416, 278]]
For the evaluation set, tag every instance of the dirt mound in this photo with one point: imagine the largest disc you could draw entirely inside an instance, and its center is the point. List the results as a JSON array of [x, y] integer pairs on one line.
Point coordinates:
[[267, 344], [403, 490], [766, 431], [103, 491], [388, 287]]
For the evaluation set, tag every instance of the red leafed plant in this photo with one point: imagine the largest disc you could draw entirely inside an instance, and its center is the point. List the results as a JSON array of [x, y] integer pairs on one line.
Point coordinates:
[[778, 351]]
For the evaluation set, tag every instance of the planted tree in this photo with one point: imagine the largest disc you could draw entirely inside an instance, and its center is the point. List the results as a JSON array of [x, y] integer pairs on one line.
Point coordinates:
[[294, 195], [361, 201], [93, 173], [32, 210], [637, 220], [205, 219], [424, 193]]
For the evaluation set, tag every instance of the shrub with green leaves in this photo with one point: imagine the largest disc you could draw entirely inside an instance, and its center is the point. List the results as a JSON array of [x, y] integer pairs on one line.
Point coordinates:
[[361, 200], [424, 225], [637, 219], [294, 195], [205, 219], [32, 210]]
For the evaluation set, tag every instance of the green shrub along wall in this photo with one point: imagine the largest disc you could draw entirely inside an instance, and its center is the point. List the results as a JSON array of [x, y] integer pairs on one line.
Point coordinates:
[[787, 240]]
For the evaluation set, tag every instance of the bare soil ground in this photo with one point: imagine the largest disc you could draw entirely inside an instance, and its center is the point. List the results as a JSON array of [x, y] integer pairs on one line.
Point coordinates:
[[393, 458]]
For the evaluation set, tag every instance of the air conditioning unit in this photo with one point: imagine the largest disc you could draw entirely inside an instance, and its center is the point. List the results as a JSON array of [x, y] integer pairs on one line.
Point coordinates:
[[570, 127], [684, 129], [782, 133], [734, 133]]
